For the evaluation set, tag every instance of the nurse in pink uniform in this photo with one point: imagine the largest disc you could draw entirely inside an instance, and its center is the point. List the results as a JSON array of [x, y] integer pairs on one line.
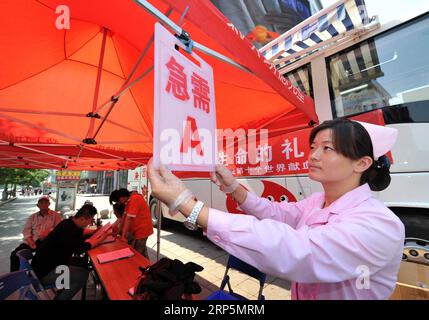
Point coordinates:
[[342, 243]]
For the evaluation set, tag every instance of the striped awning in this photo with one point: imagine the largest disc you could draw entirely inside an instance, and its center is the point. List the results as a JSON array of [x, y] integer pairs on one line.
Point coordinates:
[[300, 78], [356, 66], [343, 18], [347, 70]]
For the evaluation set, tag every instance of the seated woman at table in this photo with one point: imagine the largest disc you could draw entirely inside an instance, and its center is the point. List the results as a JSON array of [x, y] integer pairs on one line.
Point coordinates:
[[54, 263]]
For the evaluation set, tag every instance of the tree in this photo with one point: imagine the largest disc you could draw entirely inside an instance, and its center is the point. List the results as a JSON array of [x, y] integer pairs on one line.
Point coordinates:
[[26, 177], [6, 175]]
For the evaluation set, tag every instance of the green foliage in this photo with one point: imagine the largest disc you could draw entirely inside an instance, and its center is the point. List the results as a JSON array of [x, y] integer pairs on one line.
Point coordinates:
[[26, 177]]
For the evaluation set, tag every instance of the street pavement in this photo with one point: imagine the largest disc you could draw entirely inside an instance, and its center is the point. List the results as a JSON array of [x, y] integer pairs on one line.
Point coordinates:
[[176, 243]]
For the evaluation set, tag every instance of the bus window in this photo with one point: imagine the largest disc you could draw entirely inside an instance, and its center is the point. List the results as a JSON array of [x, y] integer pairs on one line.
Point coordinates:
[[301, 79], [391, 69]]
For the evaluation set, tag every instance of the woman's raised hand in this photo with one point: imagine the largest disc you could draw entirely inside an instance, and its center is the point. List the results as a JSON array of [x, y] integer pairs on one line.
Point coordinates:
[[165, 185], [224, 179]]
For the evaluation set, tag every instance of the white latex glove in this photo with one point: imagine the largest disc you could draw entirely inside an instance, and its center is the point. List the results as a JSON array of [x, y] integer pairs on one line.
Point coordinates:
[[165, 185], [224, 179]]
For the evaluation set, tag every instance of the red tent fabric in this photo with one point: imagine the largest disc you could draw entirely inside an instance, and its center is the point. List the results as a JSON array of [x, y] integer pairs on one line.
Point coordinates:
[[51, 79]]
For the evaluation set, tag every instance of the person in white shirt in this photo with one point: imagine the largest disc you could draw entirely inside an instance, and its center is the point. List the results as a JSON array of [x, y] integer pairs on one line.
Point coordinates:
[[36, 229]]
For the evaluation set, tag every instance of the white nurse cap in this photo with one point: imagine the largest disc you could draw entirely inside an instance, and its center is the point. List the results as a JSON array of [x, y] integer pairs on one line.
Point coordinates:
[[382, 138]]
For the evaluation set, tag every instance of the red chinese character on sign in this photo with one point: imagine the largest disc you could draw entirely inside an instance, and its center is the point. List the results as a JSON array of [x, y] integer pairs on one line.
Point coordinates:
[[191, 138], [136, 175], [177, 80], [201, 91]]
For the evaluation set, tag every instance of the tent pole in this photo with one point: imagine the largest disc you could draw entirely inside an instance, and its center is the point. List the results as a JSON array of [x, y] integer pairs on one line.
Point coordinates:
[[158, 229], [65, 159], [172, 26], [45, 144], [50, 113], [68, 114], [112, 155], [41, 152], [65, 136], [115, 99], [79, 153], [32, 125], [103, 142], [22, 166], [122, 90], [139, 60], [97, 82], [32, 160], [124, 87]]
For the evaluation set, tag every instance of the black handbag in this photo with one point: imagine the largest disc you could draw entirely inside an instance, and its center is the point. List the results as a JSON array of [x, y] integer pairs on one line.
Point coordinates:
[[167, 279]]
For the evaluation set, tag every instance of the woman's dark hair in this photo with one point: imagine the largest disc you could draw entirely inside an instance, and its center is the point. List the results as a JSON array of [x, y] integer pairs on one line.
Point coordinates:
[[116, 194], [352, 140], [86, 211], [119, 208]]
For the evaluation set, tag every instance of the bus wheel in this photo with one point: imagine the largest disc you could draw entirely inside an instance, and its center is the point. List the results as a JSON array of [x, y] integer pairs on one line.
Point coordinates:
[[416, 245], [153, 205], [416, 250]]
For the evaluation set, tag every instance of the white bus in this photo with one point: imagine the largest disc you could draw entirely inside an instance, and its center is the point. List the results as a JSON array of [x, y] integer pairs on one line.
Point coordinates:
[[382, 69]]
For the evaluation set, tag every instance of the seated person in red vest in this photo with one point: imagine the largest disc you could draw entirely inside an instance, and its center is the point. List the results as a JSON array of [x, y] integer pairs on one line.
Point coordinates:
[[53, 262], [36, 229], [136, 220]]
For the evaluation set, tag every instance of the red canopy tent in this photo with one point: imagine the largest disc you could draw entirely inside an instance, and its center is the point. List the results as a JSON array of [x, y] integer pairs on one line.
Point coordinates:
[[82, 98]]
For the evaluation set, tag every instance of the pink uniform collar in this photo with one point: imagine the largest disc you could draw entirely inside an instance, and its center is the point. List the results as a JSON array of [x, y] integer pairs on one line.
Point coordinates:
[[348, 200]]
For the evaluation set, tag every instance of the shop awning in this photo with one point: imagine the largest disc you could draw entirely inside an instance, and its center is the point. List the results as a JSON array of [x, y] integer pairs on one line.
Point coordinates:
[[333, 24]]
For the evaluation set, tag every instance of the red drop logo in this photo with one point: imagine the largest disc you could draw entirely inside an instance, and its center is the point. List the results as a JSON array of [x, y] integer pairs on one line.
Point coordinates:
[[272, 191]]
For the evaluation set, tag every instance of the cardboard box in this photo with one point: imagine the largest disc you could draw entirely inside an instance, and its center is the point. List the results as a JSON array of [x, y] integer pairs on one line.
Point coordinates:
[[413, 282]]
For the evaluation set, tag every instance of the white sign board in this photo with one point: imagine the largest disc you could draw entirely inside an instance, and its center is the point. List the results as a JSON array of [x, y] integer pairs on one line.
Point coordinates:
[[185, 113], [137, 179], [66, 196]]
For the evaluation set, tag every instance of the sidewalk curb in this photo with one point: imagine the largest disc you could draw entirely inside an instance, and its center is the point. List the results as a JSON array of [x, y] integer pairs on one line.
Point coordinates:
[[7, 201]]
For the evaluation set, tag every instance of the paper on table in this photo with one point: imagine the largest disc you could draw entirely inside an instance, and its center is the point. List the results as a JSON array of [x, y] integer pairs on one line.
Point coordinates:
[[102, 230], [131, 291], [109, 239], [115, 255]]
